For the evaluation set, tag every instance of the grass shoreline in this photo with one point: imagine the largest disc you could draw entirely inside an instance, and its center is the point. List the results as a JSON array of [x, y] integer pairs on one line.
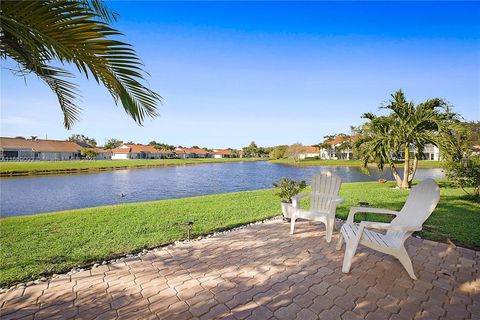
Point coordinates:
[[17, 169], [350, 163], [43, 244]]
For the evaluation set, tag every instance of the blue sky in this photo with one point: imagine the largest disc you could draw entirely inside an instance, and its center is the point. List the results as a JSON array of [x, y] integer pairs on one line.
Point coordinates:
[[276, 73]]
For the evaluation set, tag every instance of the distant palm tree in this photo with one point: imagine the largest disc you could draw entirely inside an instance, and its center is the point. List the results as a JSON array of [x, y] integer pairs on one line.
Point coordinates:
[[404, 132], [36, 34]]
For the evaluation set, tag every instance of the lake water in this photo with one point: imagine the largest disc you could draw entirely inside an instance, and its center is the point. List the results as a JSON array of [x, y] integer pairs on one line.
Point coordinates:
[[31, 195]]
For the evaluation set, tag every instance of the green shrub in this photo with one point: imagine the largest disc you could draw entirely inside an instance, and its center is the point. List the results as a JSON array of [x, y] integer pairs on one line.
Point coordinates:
[[288, 188], [465, 174]]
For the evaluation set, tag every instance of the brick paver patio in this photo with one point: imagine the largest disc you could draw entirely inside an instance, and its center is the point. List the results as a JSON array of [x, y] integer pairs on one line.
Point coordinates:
[[262, 272]]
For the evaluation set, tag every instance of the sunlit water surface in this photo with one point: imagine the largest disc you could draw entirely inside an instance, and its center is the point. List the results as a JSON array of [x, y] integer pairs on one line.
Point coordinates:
[[31, 195]]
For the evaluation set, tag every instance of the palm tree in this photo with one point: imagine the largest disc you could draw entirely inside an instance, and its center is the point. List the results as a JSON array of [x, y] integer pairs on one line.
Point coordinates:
[[404, 132], [38, 34]]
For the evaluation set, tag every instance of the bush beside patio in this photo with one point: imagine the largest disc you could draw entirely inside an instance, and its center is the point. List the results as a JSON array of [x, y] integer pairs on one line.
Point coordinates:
[[54, 242]]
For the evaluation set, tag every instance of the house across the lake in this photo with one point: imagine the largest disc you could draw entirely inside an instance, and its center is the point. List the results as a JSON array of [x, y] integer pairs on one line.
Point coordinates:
[[102, 154], [338, 148], [309, 152], [184, 153], [140, 151], [335, 149], [38, 149], [223, 153], [431, 152]]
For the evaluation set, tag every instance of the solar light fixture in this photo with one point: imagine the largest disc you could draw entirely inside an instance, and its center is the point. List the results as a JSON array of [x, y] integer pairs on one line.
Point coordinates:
[[189, 225]]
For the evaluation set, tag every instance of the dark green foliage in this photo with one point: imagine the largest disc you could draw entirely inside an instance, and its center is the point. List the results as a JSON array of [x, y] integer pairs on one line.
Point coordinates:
[[465, 174], [83, 139], [113, 143], [288, 188], [89, 153], [404, 133]]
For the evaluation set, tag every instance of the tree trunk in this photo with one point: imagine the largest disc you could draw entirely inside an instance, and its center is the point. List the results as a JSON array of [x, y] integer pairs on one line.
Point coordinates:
[[412, 172], [396, 175], [406, 167]]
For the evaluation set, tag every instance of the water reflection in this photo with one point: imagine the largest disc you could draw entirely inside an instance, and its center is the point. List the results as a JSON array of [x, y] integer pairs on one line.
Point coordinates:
[[30, 195]]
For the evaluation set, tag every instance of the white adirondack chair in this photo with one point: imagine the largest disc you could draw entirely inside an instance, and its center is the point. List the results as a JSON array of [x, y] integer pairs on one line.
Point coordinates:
[[389, 238], [323, 202]]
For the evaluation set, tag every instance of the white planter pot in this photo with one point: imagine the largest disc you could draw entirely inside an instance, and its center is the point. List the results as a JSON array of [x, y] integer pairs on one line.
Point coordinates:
[[287, 209]]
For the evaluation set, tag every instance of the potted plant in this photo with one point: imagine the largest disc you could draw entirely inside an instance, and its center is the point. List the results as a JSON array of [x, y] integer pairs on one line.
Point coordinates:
[[287, 189]]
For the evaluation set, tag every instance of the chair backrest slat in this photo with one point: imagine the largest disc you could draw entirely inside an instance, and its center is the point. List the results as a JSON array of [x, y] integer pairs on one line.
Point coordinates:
[[421, 202], [325, 186]]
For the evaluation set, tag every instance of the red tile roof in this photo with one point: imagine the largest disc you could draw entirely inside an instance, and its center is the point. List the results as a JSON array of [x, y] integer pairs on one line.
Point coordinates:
[[101, 150], [340, 139], [39, 145], [222, 152], [191, 150], [121, 150], [310, 149], [138, 148]]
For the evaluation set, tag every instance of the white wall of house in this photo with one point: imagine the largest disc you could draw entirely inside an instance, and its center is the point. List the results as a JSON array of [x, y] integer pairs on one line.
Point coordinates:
[[220, 156], [120, 156], [332, 154], [308, 155], [431, 152]]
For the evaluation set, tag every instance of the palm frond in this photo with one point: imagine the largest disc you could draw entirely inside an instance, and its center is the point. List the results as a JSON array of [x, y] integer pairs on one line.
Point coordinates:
[[36, 33]]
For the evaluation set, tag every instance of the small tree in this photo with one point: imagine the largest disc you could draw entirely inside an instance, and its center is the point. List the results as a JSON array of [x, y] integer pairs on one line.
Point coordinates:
[[288, 188], [294, 151], [83, 139], [89, 153], [251, 151], [113, 143], [161, 146], [344, 145], [404, 132], [474, 128], [278, 152], [465, 174]]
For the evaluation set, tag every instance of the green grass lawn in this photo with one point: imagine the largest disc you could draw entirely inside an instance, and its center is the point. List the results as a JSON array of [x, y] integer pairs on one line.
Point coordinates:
[[54, 242], [42, 167], [353, 163]]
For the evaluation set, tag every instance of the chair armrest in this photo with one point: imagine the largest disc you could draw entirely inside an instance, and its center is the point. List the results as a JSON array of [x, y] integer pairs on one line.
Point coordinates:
[[296, 199], [354, 210], [386, 226], [299, 196]]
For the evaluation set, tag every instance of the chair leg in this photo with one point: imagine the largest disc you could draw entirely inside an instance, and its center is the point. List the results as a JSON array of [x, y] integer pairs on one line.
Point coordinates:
[[350, 249], [404, 259], [329, 226], [340, 241], [292, 224]]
